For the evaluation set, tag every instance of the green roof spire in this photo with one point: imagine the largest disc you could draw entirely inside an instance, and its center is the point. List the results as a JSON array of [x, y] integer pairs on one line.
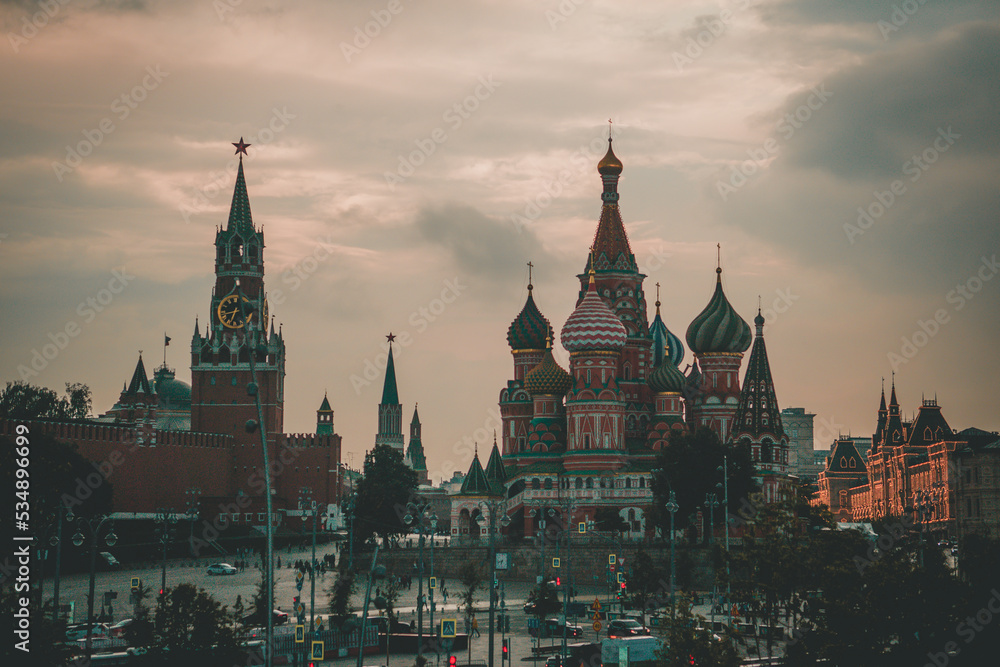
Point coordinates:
[[239, 212], [390, 396], [475, 483]]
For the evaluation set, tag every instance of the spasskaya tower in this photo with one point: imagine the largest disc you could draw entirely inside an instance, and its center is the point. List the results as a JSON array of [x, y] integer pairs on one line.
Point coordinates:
[[238, 327]]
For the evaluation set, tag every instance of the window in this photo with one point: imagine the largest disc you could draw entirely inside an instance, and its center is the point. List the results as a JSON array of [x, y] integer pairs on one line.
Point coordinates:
[[536, 484], [260, 517], [642, 482], [211, 380], [234, 380], [548, 482], [248, 517], [236, 517], [579, 482], [628, 482], [590, 482], [586, 438]]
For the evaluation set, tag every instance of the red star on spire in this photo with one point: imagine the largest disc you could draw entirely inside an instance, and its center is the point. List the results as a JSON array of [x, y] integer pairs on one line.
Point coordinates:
[[391, 337], [241, 147]]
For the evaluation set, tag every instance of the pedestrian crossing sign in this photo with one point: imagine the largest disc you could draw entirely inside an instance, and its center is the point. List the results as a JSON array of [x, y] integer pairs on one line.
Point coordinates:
[[556, 562], [317, 651], [300, 633], [448, 627], [583, 527], [434, 583], [612, 558]]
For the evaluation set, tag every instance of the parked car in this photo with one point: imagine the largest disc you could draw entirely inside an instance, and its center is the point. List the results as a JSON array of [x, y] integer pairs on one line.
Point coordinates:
[[221, 568], [119, 628], [108, 561], [553, 627], [79, 631], [279, 618], [626, 627]]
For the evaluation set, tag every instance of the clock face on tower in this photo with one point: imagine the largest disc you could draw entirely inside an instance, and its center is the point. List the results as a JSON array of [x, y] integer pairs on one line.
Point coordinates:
[[229, 311]]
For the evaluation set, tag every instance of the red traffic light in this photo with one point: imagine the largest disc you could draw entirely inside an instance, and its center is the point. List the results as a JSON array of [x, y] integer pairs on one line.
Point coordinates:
[[558, 581], [452, 661], [623, 585]]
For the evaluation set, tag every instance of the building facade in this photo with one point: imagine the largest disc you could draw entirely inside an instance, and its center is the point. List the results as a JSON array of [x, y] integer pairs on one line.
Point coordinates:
[[584, 439], [174, 441]]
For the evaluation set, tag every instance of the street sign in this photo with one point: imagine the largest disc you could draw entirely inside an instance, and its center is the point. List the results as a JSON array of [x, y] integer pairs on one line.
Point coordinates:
[[597, 605], [300, 634], [532, 622], [597, 626], [135, 583], [448, 628], [583, 527], [621, 577], [434, 583], [555, 562], [597, 616], [502, 561], [317, 650], [612, 558]]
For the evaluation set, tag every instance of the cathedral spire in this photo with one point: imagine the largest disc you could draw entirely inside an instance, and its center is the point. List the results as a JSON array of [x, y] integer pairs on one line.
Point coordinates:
[[389, 393], [757, 415], [390, 412]]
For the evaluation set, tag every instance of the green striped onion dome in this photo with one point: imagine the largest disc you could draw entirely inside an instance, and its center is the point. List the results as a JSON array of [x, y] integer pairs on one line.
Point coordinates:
[[718, 328], [529, 329], [667, 377]]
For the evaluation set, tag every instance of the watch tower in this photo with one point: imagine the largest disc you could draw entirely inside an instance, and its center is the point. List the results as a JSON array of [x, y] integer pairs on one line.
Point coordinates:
[[238, 327]]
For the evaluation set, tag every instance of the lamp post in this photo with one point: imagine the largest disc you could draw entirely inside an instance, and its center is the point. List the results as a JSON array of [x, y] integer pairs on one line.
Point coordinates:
[[305, 500], [567, 526], [724, 469], [672, 507], [417, 517], [57, 543], [93, 525], [192, 495], [711, 502], [433, 524], [493, 507], [539, 514], [922, 504], [246, 312], [350, 541], [376, 572], [165, 519]]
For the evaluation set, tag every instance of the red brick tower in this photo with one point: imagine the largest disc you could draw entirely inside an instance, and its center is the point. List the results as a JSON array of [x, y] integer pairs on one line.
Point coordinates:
[[238, 327]]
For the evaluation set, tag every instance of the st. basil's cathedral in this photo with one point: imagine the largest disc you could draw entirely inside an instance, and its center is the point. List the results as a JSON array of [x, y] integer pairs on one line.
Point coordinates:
[[587, 438]]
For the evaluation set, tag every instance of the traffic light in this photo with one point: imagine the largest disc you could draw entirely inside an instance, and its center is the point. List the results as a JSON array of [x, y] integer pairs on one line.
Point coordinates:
[[506, 649], [452, 661], [500, 623], [558, 582], [506, 623]]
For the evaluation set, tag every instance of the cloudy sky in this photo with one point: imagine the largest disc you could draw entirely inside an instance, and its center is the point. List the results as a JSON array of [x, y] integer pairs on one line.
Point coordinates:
[[410, 156]]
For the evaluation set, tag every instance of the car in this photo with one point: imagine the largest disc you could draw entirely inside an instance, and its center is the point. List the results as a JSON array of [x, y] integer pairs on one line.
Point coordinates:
[[108, 561], [553, 627], [119, 628], [626, 627], [221, 568], [79, 631], [278, 618], [529, 607], [99, 643]]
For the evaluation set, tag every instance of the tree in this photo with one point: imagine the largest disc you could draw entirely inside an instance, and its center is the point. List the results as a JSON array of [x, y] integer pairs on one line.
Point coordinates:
[[382, 493], [260, 607], [192, 628], [647, 582], [608, 519], [340, 594], [20, 401], [689, 466], [546, 599], [690, 643]]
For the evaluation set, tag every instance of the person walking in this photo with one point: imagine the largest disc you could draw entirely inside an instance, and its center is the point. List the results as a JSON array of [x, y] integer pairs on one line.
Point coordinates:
[[475, 627]]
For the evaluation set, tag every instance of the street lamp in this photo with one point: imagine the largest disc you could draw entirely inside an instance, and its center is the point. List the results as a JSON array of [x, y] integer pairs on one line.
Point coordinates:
[[93, 525], [305, 500], [165, 519], [724, 469], [192, 495], [711, 502], [672, 507], [417, 516], [493, 507], [258, 347]]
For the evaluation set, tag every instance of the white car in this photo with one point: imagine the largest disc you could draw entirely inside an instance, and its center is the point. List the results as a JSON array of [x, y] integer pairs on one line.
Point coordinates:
[[221, 568], [79, 631]]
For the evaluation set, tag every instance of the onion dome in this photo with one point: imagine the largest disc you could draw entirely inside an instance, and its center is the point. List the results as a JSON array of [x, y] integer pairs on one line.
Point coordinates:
[[593, 326], [718, 328], [667, 377], [666, 345], [548, 377], [530, 329], [609, 165]]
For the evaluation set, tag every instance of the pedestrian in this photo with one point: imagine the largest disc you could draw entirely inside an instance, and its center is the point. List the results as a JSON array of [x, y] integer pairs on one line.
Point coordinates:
[[475, 627], [279, 562]]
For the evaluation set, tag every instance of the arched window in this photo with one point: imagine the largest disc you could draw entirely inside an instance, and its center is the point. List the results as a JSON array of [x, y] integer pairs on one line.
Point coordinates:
[[642, 482], [579, 482], [631, 515], [548, 483], [590, 482], [628, 482], [535, 483], [252, 253]]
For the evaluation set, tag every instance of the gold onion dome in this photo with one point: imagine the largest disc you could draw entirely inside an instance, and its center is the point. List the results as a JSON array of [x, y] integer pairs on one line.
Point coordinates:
[[667, 378], [718, 328], [609, 165], [548, 377]]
